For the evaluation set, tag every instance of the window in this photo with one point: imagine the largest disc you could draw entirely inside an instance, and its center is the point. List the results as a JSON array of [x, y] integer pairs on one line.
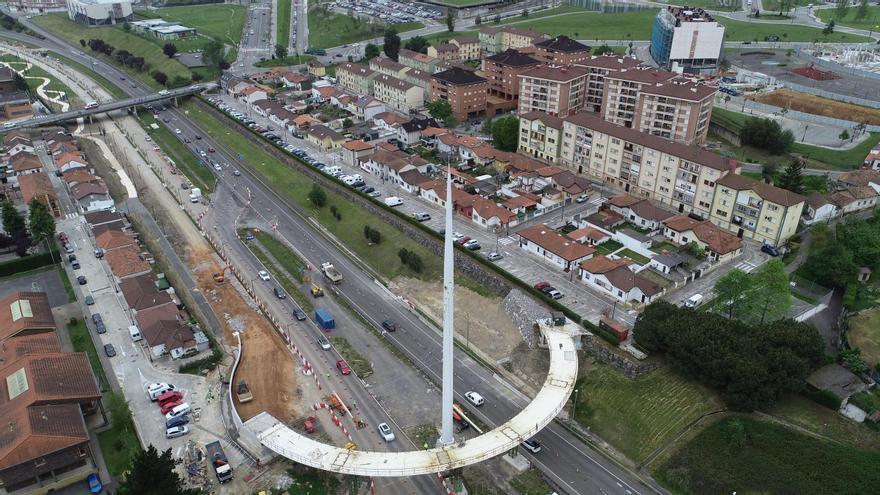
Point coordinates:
[[721, 213]]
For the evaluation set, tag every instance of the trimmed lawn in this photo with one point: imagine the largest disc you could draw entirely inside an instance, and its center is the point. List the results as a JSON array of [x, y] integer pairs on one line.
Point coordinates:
[[746, 455], [565, 9], [284, 62], [838, 159], [295, 187], [329, 29], [758, 31], [864, 333], [82, 342], [191, 166], [223, 22], [638, 258], [665, 246], [282, 29], [638, 416], [608, 247], [65, 280], [60, 25], [36, 71], [872, 20], [729, 119], [119, 443]]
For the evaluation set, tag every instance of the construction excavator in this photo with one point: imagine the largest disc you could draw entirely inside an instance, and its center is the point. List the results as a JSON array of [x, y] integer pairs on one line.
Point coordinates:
[[220, 277]]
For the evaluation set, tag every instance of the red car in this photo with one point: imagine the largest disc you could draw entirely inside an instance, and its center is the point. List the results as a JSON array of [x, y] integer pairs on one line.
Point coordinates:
[[169, 397], [343, 367], [211, 150], [464, 240], [542, 285], [168, 406]]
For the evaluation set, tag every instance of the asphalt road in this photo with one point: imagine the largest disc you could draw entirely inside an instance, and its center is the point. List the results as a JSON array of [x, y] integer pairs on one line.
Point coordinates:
[[574, 466], [258, 35]]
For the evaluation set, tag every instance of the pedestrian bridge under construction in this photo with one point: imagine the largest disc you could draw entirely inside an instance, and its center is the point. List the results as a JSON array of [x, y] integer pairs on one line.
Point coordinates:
[[561, 341]]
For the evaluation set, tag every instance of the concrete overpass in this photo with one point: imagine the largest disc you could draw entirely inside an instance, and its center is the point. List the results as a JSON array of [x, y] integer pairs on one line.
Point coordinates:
[[42, 120]]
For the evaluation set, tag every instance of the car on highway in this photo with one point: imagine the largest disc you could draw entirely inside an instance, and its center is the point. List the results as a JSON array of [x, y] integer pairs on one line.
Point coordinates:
[[474, 398], [531, 445], [236, 173], [386, 432], [211, 150], [109, 350], [299, 314], [279, 293], [217, 167], [494, 256], [389, 325], [176, 131], [198, 137], [343, 367], [186, 140], [324, 343]]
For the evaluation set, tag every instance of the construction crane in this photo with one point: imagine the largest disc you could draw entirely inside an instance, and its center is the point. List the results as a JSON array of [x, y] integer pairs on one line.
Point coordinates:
[[220, 276]]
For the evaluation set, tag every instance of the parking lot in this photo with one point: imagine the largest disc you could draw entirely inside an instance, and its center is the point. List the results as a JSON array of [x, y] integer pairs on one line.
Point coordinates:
[[389, 11], [46, 281]]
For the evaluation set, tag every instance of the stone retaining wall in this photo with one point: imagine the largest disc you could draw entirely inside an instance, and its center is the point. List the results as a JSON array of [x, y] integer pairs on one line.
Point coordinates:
[[630, 368]]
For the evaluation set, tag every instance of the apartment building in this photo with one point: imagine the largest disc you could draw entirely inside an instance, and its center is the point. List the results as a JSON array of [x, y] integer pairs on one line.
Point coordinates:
[[502, 70], [540, 136], [687, 38], [561, 50], [677, 110], [384, 65], [37, 6], [418, 60], [464, 90], [356, 78], [398, 94], [620, 98], [558, 91], [468, 47], [643, 165], [597, 68], [753, 209], [446, 52], [498, 39]]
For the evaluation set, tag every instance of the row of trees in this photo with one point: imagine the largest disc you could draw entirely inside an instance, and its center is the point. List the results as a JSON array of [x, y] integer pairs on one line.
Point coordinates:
[[756, 298], [40, 226], [766, 134], [834, 260], [751, 366]]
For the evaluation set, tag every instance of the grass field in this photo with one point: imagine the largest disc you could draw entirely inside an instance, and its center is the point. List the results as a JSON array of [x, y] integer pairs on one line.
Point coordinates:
[[36, 71], [199, 175], [864, 333], [870, 21], [328, 29], [638, 416], [463, 3], [565, 9], [60, 25], [349, 230], [755, 31], [284, 62], [102, 81], [312, 482], [222, 22], [773, 5], [282, 29], [82, 342], [745, 455], [819, 419], [445, 36]]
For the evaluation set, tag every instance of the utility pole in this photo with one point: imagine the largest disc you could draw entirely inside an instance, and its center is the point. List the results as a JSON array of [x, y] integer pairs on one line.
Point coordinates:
[[446, 436]]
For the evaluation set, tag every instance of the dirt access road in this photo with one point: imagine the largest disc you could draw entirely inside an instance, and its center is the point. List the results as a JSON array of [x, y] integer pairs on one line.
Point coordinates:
[[802, 102]]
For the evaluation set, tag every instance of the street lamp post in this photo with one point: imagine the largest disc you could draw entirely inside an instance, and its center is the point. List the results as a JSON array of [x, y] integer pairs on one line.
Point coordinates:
[[574, 404]]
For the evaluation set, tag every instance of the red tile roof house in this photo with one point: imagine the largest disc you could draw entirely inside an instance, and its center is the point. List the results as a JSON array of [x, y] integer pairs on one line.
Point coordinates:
[[353, 150], [639, 211], [110, 239], [141, 293], [590, 236], [39, 187], [126, 262], [614, 277], [164, 330], [25, 313], [486, 213], [552, 246], [719, 244]]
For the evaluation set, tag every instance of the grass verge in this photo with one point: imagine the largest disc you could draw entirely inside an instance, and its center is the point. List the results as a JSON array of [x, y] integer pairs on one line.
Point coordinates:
[[280, 274], [746, 455], [82, 342], [65, 280], [357, 362], [328, 29], [292, 263], [638, 416], [530, 483], [102, 81], [223, 22], [282, 29], [119, 443], [284, 62], [424, 436], [870, 21], [312, 482], [195, 169]]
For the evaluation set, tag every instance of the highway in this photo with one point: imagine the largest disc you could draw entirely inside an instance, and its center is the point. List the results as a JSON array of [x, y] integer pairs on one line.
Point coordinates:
[[575, 467], [108, 107]]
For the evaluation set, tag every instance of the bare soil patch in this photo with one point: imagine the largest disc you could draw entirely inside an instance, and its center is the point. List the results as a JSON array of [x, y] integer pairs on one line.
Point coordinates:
[[816, 105], [479, 319]]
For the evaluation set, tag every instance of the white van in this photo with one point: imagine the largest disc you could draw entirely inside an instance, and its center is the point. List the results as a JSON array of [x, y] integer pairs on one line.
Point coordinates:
[[335, 169], [135, 333], [694, 301], [393, 201], [179, 411], [154, 390]]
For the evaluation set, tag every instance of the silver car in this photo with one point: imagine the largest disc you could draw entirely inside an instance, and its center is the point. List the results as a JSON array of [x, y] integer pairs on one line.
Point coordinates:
[[386, 432], [176, 431]]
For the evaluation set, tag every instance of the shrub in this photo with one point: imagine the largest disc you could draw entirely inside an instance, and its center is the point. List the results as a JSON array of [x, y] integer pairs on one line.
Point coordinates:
[[317, 196], [411, 259], [825, 398]]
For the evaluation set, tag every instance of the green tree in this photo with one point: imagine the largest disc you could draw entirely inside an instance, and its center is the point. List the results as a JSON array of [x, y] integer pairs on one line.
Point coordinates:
[[829, 28], [497, 19], [478, 20], [505, 133], [862, 239], [862, 11], [169, 49], [152, 473], [125, 27], [844, 135], [770, 293], [766, 134], [347, 123], [160, 77], [439, 109], [487, 126], [853, 360], [20, 83], [524, 13], [450, 21], [603, 49], [317, 196], [280, 51], [731, 294], [392, 44], [792, 178], [212, 53], [41, 223], [450, 121], [830, 265], [417, 44], [13, 221], [82, 43], [196, 76], [768, 171], [371, 51]]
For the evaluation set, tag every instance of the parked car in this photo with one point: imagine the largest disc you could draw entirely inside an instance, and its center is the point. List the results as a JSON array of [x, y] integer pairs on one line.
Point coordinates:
[[472, 245], [772, 251], [474, 398], [555, 294], [109, 350], [386, 432], [176, 431], [389, 325], [421, 216], [343, 367], [170, 396], [169, 406], [582, 198], [177, 421], [493, 256], [89, 300], [542, 285], [154, 390], [81, 280]]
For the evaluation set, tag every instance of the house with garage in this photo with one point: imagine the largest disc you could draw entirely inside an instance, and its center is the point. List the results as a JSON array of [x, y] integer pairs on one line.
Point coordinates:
[[546, 243]]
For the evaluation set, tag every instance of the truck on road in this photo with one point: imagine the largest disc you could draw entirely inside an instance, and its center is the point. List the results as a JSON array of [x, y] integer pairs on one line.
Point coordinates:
[[331, 273], [218, 459], [324, 319]]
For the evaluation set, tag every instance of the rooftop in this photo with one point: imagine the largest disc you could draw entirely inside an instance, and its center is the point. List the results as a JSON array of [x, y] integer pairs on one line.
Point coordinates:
[[25, 311], [562, 44], [769, 192], [458, 76], [512, 58], [556, 73], [556, 243]]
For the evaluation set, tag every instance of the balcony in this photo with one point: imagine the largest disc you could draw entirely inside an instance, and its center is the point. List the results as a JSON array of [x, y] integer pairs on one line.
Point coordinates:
[[745, 210]]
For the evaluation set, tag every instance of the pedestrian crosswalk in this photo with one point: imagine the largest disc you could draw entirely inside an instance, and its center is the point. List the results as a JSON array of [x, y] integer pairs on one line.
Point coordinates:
[[597, 201], [746, 266], [505, 241], [71, 215]]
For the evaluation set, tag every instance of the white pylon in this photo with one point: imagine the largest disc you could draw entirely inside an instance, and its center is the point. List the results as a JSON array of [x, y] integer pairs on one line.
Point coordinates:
[[446, 437]]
